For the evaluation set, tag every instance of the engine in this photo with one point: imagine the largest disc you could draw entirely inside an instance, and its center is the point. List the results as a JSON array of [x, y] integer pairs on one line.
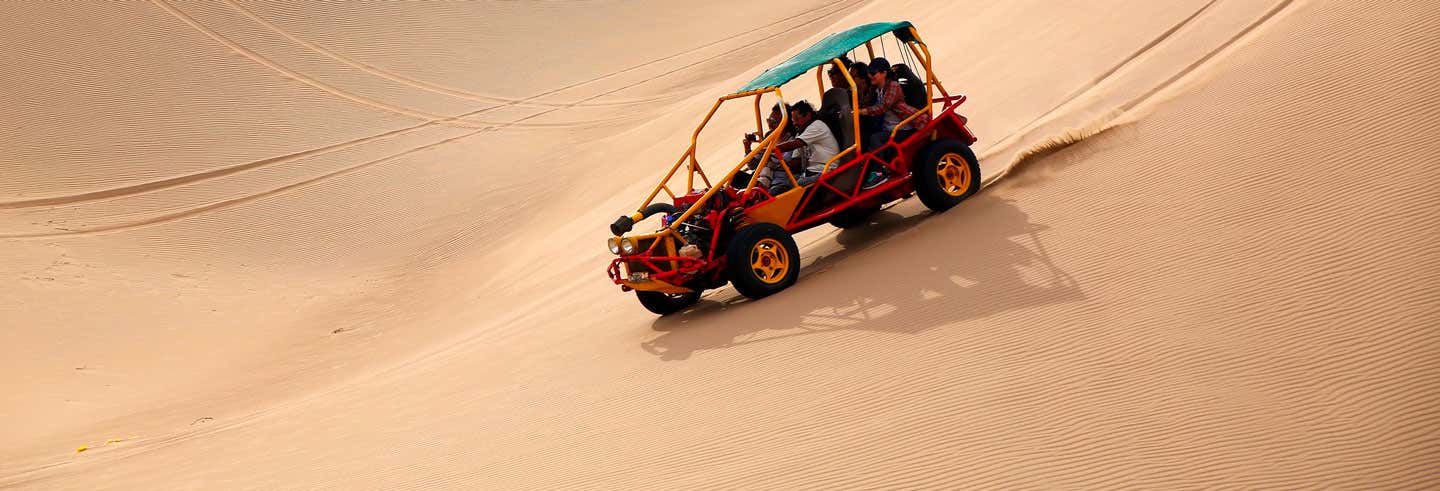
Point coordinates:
[[696, 231]]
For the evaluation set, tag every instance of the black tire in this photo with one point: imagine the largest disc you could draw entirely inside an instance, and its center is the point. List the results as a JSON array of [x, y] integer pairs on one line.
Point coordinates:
[[761, 260], [667, 303], [854, 216], [946, 174]]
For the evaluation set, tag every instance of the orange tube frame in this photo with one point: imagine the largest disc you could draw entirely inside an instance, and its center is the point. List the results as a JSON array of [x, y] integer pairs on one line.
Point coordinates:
[[931, 82], [766, 145], [917, 47]]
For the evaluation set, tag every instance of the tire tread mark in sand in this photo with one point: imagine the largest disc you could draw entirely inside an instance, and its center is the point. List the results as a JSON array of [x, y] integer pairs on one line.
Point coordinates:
[[842, 6], [243, 199], [256, 57], [359, 99], [1269, 14], [193, 178], [413, 82], [1275, 10], [81, 198], [145, 187], [420, 84], [702, 61], [215, 173], [1164, 36]]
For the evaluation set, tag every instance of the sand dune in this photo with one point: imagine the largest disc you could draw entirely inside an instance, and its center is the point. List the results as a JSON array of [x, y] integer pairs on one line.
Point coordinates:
[[357, 246]]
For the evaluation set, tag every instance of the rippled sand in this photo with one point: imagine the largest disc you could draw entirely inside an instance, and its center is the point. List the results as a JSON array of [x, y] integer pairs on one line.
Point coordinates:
[[358, 245]]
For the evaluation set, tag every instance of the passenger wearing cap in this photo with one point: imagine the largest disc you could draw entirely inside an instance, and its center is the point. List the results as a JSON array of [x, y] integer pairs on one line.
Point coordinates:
[[890, 104]]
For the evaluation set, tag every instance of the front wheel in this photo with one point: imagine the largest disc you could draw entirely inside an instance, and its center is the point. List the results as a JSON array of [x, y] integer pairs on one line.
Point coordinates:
[[761, 260], [946, 174], [667, 303]]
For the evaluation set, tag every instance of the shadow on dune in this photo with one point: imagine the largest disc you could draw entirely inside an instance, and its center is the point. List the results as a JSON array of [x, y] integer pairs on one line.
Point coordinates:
[[982, 258]]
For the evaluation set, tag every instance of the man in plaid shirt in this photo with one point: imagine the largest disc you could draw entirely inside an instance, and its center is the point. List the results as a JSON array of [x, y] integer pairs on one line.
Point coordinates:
[[891, 104]]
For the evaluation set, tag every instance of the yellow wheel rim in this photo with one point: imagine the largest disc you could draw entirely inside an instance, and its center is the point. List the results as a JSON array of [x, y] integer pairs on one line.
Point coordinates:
[[769, 261], [954, 174]]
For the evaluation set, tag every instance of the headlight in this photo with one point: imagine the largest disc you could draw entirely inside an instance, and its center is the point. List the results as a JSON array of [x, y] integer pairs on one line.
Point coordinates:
[[627, 246], [614, 245]]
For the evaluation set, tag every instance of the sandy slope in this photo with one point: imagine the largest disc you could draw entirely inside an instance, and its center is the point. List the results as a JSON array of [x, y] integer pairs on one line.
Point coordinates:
[[282, 247]]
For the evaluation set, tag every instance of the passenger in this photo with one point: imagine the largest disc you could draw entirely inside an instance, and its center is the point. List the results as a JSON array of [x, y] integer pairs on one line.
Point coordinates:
[[835, 108], [865, 97], [890, 105], [814, 143], [772, 167], [911, 84]]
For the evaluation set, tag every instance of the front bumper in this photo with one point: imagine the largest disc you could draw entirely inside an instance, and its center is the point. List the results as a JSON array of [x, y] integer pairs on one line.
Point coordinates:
[[646, 272]]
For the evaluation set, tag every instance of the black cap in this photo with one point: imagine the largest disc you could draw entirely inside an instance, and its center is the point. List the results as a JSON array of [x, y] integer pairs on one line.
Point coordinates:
[[879, 65]]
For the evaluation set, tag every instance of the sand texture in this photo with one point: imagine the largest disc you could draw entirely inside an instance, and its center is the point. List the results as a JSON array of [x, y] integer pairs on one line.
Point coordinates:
[[357, 245]]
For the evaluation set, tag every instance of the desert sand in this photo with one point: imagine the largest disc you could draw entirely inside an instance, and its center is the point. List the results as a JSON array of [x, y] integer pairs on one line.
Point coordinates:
[[358, 245]]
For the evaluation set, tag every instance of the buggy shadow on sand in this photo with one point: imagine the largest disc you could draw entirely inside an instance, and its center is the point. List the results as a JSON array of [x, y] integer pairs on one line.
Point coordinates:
[[1005, 266], [733, 231]]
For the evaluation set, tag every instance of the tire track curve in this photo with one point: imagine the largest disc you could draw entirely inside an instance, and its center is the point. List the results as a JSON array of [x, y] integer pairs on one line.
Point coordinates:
[[1108, 121], [243, 199], [87, 197], [355, 98], [173, 182], [437, 88], [257, 58], [693, 64], [839, 7], [145, 187]]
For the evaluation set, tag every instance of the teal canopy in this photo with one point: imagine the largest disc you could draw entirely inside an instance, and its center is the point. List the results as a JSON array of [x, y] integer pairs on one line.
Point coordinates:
[[831, 47]]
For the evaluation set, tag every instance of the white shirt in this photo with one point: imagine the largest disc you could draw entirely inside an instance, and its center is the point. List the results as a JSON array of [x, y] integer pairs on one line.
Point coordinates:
[[820, 146]]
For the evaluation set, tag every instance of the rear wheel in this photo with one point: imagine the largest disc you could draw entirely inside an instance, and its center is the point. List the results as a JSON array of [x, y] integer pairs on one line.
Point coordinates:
[[762, 259], [667, 303], [854, 216], [946, 174]]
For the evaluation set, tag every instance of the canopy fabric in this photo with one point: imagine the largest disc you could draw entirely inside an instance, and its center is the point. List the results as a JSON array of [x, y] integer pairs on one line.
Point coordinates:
[[832, 46]]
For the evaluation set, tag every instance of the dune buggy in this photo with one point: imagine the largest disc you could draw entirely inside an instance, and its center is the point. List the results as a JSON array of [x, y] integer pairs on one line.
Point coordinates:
[[734, 231]]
